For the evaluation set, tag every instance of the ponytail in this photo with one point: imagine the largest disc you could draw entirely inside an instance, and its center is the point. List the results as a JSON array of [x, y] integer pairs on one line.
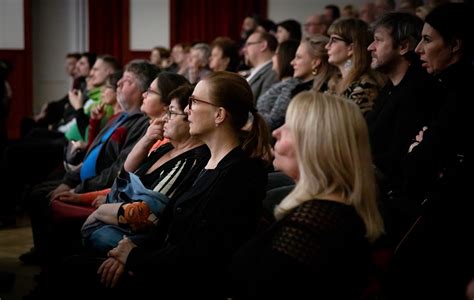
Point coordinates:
[[256, 142]]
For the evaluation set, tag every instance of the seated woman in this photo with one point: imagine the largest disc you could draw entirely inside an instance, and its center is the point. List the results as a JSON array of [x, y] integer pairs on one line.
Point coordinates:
[[319, 247], [201, 229], [347, 50], [137, 199], [299, 71]]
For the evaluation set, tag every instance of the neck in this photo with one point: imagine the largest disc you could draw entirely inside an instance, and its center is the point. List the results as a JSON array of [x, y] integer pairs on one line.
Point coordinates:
[[398, 71], [220, 143], [117, 108], [186, 144], [262, 60], [344, 71]]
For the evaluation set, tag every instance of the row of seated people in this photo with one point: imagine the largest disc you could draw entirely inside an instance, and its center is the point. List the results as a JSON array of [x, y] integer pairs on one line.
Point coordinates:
[[322, 146]]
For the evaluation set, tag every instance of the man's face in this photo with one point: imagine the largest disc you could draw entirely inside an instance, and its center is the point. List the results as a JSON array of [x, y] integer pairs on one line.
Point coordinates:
[[71, 66], [82, 67], [383, 52], [99, 73], [129, 94]]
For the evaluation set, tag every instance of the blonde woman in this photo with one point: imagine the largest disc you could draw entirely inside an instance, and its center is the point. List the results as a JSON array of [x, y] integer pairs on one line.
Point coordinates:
[[347, 50], [319, 246]]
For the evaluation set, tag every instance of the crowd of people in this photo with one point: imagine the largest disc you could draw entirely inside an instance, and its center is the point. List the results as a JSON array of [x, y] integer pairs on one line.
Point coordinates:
[[325, 160]]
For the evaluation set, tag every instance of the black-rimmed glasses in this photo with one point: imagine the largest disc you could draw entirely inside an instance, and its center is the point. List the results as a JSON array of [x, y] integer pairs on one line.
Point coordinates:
[[192, 100], [170, 113], [149, 90], [334, 38]]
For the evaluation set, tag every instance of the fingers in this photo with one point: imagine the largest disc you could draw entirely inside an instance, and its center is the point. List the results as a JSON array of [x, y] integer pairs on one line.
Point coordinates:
[[116, 275]]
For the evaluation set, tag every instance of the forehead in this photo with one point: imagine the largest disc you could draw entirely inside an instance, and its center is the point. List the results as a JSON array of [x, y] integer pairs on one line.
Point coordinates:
[[174, 103], [254, 37], [382, 31], [83, 60], [202, 89], [129, 76]]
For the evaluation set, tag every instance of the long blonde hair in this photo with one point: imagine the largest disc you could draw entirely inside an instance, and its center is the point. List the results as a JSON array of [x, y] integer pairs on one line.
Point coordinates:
[[333, 153]]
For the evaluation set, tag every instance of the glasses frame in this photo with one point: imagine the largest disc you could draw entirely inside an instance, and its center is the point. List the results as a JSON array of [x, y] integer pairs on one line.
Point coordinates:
[[169, 113], [192, 99], [252, 43], [149, 90], [333, 39]]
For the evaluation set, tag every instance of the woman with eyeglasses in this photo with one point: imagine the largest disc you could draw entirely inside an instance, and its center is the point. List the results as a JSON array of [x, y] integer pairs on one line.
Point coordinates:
[[163, 170], [347, 50], [202, 228]]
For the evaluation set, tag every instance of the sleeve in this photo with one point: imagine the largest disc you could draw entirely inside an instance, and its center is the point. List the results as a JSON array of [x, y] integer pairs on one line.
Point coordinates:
[[228, 219], [82, 121], [364, 94], [88, 198], [106, 178], [276, 116]]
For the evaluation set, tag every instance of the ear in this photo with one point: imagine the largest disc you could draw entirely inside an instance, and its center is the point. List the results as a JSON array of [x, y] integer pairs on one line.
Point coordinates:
[[350, 50], [404, 47], [456, 45], [315, 63], [264, 46], [220, 116]]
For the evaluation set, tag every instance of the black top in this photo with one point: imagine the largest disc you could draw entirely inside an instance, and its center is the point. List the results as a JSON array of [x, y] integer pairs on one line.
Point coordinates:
[[317, 251], [204, 227]]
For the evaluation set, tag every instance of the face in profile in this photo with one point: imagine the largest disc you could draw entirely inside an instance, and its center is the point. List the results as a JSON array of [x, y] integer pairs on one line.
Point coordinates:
[[435, 53], [153, 105], [201, 111], [176, 125], [285, 153], [382, 50]]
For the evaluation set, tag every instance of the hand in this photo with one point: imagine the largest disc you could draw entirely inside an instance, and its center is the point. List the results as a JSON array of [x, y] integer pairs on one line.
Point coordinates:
[[122, 250], [110, 272], [98, 201], [418, 139], [61, 188], [75, 98], [154, 131], [98, 111], [68, 197]]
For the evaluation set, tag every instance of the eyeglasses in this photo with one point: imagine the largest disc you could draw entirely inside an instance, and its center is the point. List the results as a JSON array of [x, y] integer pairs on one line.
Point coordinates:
[[252, 43], [193, 100], [170, 113], [149, 90], [334, 38]]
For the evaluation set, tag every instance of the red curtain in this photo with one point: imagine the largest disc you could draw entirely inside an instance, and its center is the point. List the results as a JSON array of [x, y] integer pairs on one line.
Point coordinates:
[[108, 27], [204, 20]]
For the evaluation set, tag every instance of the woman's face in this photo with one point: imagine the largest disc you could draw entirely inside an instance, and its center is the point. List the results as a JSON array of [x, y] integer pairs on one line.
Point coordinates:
[[176, 127], [339, 51], [217, 62], [201, 114], [282, 35], [109, 95], [285, 153], [302, 63], [435, 54], [152, 104]]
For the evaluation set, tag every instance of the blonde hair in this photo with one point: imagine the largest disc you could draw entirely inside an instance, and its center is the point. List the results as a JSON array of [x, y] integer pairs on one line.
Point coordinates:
[[333, 153], [316, 49]]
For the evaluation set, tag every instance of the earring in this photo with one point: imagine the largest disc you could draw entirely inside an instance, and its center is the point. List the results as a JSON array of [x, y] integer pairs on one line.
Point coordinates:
[[314, 72]]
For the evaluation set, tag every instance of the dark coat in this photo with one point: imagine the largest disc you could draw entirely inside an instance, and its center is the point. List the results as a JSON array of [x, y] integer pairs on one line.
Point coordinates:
[[206, 225]]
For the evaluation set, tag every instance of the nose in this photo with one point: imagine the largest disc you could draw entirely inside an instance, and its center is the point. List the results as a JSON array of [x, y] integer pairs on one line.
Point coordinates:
[[371, 47], [276, 133], [419, 48]]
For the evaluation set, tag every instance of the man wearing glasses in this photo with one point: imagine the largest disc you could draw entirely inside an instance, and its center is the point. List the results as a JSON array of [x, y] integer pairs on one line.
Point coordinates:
[[259, 49]]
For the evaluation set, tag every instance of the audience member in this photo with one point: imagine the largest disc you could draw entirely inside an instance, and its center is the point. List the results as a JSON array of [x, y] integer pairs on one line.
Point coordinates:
[[224, 55], [288, 30], [326, 224]]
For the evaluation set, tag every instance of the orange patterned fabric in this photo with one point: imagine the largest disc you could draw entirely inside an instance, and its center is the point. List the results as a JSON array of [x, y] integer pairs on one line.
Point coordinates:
[[135, 215]]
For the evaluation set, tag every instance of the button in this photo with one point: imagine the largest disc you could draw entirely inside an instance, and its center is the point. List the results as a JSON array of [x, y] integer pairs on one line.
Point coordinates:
[[179, 209]]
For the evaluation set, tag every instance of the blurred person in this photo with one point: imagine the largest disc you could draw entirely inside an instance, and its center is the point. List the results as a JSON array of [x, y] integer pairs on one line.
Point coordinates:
[[288, 30], [224, 55]]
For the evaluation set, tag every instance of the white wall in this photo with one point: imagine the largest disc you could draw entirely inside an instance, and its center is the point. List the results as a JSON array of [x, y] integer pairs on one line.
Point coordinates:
[[58, 27], [279, 10], [11, 25], [149, 24]]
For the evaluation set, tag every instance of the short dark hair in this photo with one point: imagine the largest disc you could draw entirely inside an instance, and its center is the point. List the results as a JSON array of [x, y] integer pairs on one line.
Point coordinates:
[[293, 27], [110, 61], [271, 40], [144, 71], [403, 27], [91, 57], [182, 94], [229, 49], [336, 12], [453, 21], [74, 55], [167, 82]]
